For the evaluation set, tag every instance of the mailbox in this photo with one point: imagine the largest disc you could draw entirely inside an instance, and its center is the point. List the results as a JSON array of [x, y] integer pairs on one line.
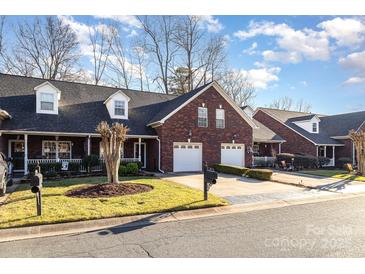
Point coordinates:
[[210, 178], [36, 182]]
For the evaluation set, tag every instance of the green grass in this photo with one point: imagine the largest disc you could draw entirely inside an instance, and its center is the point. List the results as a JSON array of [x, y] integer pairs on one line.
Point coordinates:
[[19, 209], [334, 173]]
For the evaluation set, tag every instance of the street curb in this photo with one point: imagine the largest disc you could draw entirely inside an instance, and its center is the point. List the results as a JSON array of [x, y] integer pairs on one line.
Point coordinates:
[[23, 233]]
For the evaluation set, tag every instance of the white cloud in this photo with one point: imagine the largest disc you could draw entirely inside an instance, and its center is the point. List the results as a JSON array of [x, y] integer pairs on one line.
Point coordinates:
[[212, 24], [354, 80], [354, 61], [295, 45], [262, 77], [251, 50], [81, 30], [304, 83], [129, 20], [347, 32]]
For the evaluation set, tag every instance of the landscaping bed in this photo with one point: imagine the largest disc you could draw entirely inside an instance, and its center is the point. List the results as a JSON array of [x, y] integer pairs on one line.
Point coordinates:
[[19, 209], [108, 190]]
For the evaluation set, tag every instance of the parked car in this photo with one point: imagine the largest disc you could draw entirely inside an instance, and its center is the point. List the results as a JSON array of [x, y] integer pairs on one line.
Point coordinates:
[[5, 173]]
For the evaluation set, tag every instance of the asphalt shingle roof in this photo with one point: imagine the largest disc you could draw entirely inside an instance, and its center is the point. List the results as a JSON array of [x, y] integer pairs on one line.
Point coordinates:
[[263, 133], [81, 107], [329, 126]]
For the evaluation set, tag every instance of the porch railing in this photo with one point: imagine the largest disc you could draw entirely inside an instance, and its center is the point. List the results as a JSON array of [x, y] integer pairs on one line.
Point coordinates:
[[98, 167], [263, 161]]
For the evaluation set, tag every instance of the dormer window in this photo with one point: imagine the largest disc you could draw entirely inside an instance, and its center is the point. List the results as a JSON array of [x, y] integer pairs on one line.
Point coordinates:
[[47, 101], [117, 105], [47, 98], [314, 127], [119, 108]]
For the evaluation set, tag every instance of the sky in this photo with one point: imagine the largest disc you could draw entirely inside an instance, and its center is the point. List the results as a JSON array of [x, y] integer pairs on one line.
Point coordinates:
[[320, 59]]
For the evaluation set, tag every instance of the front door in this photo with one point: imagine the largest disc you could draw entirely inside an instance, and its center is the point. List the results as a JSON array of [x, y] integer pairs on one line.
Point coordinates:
[[17, 153], [143, 153]]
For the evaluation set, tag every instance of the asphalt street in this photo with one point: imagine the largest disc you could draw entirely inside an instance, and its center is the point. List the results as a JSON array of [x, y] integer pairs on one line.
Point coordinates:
[[326, 229]]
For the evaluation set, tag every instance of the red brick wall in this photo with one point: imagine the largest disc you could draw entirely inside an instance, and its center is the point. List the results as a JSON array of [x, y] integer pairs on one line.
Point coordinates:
[[176, 129], [294, 142], [345, 151]]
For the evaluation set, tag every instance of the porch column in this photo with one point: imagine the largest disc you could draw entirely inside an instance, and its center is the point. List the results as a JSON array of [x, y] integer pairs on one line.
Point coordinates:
[[325, 151], [25, 154], [353, 154], [88, 145], [139, 149], [279, 148], [317, 147], [333, 155]]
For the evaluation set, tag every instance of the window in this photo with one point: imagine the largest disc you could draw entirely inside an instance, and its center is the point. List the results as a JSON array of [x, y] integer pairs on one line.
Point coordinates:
[[314, 127], [47, 101], [219, 118], [202, 117], [255, 149], [50, 149], [56, 149], [119, 108], [101, 151]]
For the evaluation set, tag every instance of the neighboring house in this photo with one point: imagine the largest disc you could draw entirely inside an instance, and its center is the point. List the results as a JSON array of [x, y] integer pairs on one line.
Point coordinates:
[[49, 121], [313, 134]]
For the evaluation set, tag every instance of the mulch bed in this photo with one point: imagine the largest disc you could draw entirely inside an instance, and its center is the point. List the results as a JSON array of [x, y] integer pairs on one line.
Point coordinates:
[[107, 190]]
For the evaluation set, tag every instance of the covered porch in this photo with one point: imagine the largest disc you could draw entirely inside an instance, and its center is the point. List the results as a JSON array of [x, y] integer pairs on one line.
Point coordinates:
[[264, 153], [327, 151], [45, 148]]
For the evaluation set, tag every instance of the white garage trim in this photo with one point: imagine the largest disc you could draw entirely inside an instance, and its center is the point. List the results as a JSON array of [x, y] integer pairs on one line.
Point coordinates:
[[233, 154], [187, 156]]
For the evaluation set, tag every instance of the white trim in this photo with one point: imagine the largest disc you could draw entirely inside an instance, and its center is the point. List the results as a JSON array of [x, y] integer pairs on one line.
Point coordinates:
[[221, 92], [46, 83], [115, 93], [144, 152], [360, 126], [272, 116], [57, 151], [69, 134]]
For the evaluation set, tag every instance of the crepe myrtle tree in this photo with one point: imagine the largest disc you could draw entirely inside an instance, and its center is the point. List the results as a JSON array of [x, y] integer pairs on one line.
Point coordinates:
[[358, 138], [112, 139]]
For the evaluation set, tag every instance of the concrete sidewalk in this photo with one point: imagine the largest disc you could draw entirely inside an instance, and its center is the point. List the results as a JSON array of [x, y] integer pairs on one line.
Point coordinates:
[[318, 182]]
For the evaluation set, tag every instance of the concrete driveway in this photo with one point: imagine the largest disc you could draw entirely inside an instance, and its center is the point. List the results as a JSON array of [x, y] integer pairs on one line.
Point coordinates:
[[237, 189]]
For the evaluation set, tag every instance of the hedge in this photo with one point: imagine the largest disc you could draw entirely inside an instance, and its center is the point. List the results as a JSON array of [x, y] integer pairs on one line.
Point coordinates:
[[342, 161], [47, 169], [300, 161], [235, 170], [260, 174], [129, 169]]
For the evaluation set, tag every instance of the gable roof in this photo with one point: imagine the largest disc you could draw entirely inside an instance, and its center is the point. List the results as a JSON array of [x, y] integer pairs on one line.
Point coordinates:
[[81, 107], [329, 126], [171, 107]]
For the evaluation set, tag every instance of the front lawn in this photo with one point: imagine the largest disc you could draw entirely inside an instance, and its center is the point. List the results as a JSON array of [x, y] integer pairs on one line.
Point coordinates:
[[20, 209], [334, 173]]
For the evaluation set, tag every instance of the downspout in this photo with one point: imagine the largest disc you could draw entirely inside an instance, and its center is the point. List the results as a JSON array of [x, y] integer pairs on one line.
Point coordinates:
[[159, 155]]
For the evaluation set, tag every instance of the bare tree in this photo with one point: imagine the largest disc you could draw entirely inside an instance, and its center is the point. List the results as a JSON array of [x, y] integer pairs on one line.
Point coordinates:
[[237, 86], [2, 23], [287, 103], [141, 65], [43, 48], [101, 40], [112, 138], [119, 62], [159, 32], [303, 106], [284, 103], [358, 139]]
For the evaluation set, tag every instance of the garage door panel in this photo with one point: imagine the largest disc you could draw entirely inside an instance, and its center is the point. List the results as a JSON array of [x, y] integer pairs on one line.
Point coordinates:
[[187, 157], [233, 154]]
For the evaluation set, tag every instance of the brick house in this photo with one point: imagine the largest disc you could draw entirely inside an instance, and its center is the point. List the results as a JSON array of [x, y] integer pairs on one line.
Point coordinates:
[[49, 121], [314, 134]]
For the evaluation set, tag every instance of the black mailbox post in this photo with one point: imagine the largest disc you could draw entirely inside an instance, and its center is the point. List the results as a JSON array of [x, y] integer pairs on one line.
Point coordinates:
[[36, 182], [210, 178]]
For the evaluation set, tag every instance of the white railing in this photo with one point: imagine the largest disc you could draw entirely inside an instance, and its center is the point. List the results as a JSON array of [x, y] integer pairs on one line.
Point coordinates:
[[263, 161], [331, 162]]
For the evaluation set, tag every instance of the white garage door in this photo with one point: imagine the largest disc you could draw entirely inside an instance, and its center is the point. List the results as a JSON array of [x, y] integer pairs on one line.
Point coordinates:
[[233, 154], [187, 157]]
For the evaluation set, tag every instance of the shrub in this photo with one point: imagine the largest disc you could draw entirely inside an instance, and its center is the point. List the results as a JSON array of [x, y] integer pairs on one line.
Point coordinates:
[[342, 161], [125, 163], [235, 170], [299, 160], [132, 168], [322, 161], [348, 167], [261, 174], [122, 170], [47, 169], [90, 161], [74, 167]]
